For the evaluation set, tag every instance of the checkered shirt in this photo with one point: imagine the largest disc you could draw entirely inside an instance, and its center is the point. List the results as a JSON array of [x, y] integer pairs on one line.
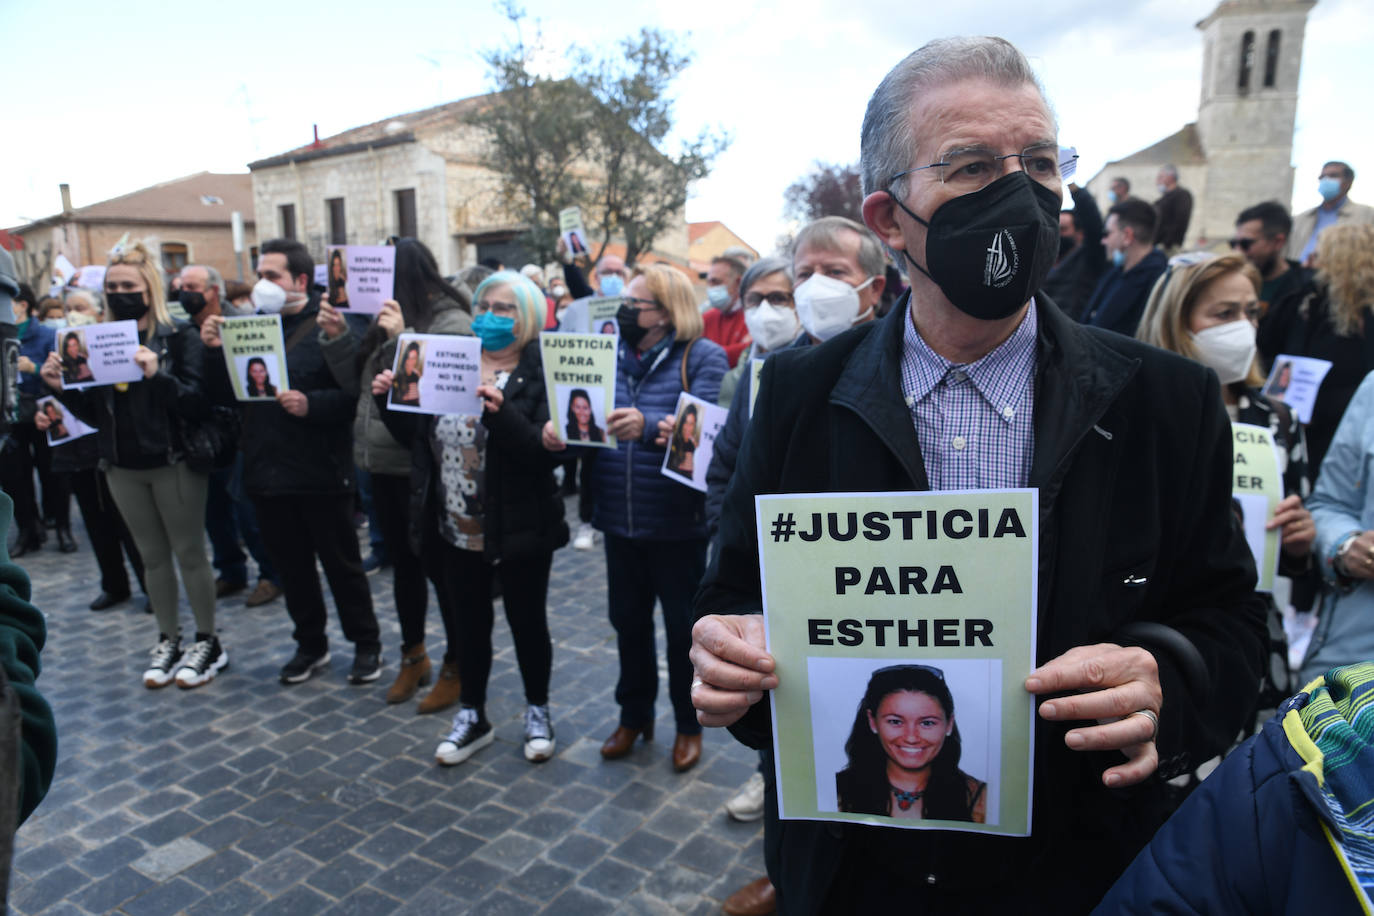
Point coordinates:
[[974, 421]]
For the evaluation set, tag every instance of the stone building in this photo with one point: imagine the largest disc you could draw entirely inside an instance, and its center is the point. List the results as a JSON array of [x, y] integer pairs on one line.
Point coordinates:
[[184, 221], [418, 174], [1239, 150]]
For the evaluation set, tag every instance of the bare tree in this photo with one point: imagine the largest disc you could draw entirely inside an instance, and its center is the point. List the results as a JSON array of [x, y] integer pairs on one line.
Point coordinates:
[[827, 190]]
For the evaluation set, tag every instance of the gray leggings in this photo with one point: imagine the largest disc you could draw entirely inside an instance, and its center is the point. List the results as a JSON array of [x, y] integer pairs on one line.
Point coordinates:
[[165, 511]]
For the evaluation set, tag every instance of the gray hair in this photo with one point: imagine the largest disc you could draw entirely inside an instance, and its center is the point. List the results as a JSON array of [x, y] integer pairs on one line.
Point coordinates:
[[212, 276], [92, 296], [1171, 170], [825, 233], [888, 140], [764, 267]]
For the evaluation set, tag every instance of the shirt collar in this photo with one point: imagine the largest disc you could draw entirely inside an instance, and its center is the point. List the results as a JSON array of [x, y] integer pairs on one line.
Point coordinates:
[[998, 377]]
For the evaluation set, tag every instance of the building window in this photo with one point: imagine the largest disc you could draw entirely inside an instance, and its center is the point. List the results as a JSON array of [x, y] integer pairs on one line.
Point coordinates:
[[405, 213], [175, 256], [287, 215], [338, 228], [1271, 60], [253, 259], [1247, 61]]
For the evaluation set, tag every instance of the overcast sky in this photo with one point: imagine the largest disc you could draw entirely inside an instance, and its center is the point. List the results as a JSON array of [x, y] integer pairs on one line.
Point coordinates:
[[114, 97]]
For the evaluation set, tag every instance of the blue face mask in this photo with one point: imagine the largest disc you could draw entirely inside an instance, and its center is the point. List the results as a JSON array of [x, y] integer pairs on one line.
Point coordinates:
[[612, 284], [1118, 258], [1329, 188], [496, 332]]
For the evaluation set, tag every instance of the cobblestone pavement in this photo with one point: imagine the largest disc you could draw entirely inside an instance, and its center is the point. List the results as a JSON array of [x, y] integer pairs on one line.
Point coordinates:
[[246, 796]]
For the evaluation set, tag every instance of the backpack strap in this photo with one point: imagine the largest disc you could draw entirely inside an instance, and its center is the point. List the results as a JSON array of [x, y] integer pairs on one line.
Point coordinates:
[[686, 352], [304, 328]]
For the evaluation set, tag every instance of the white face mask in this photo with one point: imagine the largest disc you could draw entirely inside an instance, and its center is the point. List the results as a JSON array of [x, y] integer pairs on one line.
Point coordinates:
[[1227, 349], [771, 326], [268, 297], [79, 319], [827, 306]]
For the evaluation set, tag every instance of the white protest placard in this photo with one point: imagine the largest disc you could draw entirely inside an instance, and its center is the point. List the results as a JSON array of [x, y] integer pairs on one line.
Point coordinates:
[[902, 626], [579, 376], [255, 356], [360, 278], [1257, 489], [1068, 162], [92, 276], [99, 354], [1295, 380], [63, 270], [63, 426], [573, 232], [437, 373], [696, 425]]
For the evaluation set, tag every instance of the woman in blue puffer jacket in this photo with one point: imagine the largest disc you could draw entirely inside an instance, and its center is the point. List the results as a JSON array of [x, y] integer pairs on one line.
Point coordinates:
[[654, 527]]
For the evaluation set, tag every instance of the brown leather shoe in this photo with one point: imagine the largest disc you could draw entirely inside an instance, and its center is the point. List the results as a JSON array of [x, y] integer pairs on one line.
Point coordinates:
[[414, 674], [622, 740], [264, 592], [686, 752], [757, 898], [445, 692]]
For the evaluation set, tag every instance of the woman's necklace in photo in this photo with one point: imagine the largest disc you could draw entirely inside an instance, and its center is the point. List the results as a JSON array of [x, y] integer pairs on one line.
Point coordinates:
[[905, 799]]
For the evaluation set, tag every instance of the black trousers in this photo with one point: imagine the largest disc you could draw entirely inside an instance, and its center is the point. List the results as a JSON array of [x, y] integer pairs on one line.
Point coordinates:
[[26, 452], [391, 504], [637, 572], [298, 528], [466, 578], [109, 536]]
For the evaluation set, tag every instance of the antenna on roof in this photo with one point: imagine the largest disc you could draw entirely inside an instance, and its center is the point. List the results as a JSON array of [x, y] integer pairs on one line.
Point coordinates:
[[317, 144]]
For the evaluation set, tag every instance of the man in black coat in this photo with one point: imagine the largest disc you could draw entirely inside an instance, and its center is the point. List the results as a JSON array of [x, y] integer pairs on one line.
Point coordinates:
[[1072, 280], [298, 471], [1149, 635], [1119, 299]]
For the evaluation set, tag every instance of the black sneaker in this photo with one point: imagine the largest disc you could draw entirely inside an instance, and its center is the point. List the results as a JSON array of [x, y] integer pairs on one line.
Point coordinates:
[[469, 734], [302, 665], [163, 662], [200, 665], [367, 666]]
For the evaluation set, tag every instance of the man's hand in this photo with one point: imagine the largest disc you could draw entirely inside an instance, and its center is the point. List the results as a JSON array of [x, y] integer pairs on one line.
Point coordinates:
[[146, 360], [1108, 683], [330, 321], [294, 402], [550, 438], [1299, 531], [390, 318], [209, 331], [732, 667], [625, 423], [1358, 562]]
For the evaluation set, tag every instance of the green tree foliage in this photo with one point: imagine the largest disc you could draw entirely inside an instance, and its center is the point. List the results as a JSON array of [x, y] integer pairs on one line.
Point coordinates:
[[599, 138]]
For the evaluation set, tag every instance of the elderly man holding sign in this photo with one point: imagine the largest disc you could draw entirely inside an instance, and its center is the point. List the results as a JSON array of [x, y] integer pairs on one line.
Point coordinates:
[[1111, 464]]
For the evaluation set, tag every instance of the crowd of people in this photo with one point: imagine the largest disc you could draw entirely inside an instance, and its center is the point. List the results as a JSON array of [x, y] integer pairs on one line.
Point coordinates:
[[1103, 366]]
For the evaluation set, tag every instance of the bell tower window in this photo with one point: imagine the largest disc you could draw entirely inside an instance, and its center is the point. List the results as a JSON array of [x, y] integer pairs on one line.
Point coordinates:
[[1271, 60], [1247, 61]]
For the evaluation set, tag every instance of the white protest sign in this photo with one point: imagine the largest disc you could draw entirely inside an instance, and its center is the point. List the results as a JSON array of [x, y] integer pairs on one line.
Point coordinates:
[[1257, 488], [1295, 380], [573, 232], [99, 354], [92, 276], [63, 426], [696, 425], [437, 373], [360, 277]]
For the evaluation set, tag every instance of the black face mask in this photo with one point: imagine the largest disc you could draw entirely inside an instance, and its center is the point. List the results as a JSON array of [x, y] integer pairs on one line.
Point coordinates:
[[989, 251], [627, 316], [192, 301], [126, 306]]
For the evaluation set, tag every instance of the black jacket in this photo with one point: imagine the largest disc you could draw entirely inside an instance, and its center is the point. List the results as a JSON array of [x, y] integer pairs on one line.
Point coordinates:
[[175, 394], [524, 515], [289, 455], [1132, 461], [1119, 299], [1072, 281]]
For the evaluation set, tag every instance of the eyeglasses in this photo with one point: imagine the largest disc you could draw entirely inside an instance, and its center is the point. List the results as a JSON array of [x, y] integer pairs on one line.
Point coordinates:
[[644, 305], [496, 308], [974, 168], [1242, 244], [776, 299]]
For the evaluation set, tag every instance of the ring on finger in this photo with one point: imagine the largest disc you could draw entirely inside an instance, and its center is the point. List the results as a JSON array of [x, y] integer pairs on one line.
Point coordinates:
[[696, 682], [1154, 721]]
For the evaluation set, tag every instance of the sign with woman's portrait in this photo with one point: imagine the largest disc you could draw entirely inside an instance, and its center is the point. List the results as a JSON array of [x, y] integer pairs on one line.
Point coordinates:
[[99, 354], [579, 376], [436, 374], [696, 423], [903, 628], [62, 425], [255, 356], [359, 278]]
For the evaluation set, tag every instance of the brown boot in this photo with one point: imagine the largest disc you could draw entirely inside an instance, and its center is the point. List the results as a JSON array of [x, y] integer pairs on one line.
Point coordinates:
[[414, 673], [445, 692]]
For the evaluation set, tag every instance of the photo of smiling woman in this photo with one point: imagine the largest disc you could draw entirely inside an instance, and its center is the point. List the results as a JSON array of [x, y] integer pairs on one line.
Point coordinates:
[[405, 388], [257, 381], [75, 368], [338, 280], [904, 752], [581, 421]]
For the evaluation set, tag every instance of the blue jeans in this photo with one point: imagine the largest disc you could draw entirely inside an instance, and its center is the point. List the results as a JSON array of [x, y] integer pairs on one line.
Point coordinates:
[[228, 516]]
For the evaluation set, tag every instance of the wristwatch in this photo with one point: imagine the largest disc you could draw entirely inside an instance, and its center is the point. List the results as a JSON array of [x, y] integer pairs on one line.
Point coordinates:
[[1341, 552]]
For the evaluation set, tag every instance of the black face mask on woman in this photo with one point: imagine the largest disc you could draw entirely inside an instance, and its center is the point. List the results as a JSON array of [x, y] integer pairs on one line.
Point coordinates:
[[989, 251], [126, 306], [627, 317]]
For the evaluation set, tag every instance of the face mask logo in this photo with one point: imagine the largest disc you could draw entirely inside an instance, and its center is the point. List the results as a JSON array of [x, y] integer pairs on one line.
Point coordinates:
[[1001, 269]]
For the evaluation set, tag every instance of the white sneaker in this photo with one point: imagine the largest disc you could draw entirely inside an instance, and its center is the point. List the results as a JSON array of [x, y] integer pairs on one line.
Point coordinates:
[[748, 804], [586, 537], [162, 665], [539, 741], [467, 736]]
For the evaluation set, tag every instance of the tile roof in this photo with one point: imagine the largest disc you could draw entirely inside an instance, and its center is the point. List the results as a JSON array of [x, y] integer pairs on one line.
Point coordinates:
[[205, 197]]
